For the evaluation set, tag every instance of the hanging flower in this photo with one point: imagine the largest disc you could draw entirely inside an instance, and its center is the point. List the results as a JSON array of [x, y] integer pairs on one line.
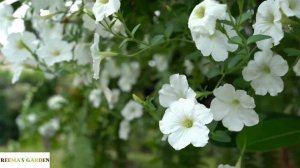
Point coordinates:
[[290, 7], [124, 130], [132, 110], [105, 8]]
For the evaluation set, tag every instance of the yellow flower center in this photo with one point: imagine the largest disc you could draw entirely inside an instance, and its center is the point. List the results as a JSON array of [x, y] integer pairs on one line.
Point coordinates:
[[235, 102], [56, 53], [266, 69], [187, 123], [103, 1], [200, 12]]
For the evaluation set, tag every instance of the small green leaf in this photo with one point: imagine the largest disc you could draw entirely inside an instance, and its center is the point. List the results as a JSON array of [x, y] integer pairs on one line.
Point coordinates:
[[292, 52], [135, 29], [220, 136], [236, 40], [213, 72], [157, 39], [256, 38], [169, 30], [270, 134], [89, 13]]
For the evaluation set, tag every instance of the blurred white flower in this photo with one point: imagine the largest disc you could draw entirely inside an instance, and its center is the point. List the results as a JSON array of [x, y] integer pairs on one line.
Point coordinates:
[[129, 75], [56, 102], [124, 129], [216, 45], [40, 4], [112, 96], [55, 51], [112, 68], [265, 71], [290, 7], [233, 107], [225, 166], [91, 25], [49, 128], [132, 110], [160, 62], [105, 8], [95, 97], [32, 118], [178, 88], [204, 15], [296, 68], [17, 71], [268, 22], [184, 123], [96, 56], [82, 53], [189, 66]]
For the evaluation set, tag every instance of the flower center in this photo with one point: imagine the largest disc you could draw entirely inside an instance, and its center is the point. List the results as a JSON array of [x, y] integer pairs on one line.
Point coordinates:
[[187, 123], [20, 44], [266, 69], [235, 102], [200, 12], [103, 1], [56, 53]]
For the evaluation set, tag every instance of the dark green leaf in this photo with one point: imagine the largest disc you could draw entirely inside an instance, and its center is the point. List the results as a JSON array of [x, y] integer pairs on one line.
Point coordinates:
[[292, 52], [135, 29], [157, 39], [236, 40], [256, 38], [270, 134], [220, 136], [213, 72]]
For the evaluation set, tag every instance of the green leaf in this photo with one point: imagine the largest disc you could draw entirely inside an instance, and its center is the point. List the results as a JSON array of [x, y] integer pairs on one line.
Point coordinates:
[[169, 30], [270, 134], [107, 54], [157, 39], [220, 136], [256, 38], [236, 40], [292, 52], [213, 72], [135, 29]]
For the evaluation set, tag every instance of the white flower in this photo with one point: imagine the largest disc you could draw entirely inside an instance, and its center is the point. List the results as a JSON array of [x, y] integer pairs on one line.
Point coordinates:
[[112, 96], [112, 68], [82, 54], [132, 110], [105, 8], [296, 68], [16, 49], [17, 71], [49, 128], [225, 166], [184, 123], [95, 97], [216, 45], [95, 56], [265, 71], [124, 129], [233, 107], [178, 88], [55, 51], [290, 7], [56, 102], [32, 118], [268, 22], [129, 75], [189, 66], [204, 15], [160, 62]]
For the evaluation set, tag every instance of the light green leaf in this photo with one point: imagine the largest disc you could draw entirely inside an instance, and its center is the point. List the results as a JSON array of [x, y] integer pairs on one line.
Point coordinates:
[[157, 39], [256, 38], [135, 29], [236, 40]]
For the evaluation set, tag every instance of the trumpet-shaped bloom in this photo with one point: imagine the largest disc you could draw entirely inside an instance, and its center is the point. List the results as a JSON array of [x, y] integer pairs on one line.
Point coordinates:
[[204, 15], [185, 123], [290, 7], [265, 71], [105, 8], [178, 88], [95, 56], [233, 107], [132, 110], [268, 22]]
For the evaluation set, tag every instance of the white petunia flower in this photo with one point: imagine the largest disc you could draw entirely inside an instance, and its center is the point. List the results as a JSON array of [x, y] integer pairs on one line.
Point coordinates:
[[225, 166], [112, 68], [132, 110], [265, 71], [204, 15], [233, 107], [82, 54], [56, 102], [189, 66], [216, 45], [124, 129], [129, 75], [184, 123], [105, 8], [160, 62], [95, 56], [95, 97], [290, 7], [49, 128], [178, 88], [112, 96], [296, 68], [268, 22], [55, 51]]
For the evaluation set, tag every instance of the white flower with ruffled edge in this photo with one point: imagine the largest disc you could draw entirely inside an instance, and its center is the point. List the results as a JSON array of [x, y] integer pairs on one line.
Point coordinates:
[[178, 88], [225, 166], [204, 15], [233, 107], [105, 8], [290, 7], [296, 68], [265, 71], [124, 129], [95, 97], [268, 22], [185, 123], [132, 110]]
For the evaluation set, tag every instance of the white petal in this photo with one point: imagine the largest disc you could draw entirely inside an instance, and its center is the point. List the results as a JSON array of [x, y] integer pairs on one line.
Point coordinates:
[[249, 117], [233, 122], [225, 93], [180, 139], [219, 109]]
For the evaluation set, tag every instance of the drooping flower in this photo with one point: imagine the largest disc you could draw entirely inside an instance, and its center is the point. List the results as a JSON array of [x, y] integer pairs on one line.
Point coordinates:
[[204, 15], [265, 71], [56, 102], [132, 110], [178, 88], [225, 166], [105, 8], [124, 129], [290, 7], [129, 75], [55, 51], [184, 123], [268, 22], [296, 68], [233, 107], [95, 97]]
